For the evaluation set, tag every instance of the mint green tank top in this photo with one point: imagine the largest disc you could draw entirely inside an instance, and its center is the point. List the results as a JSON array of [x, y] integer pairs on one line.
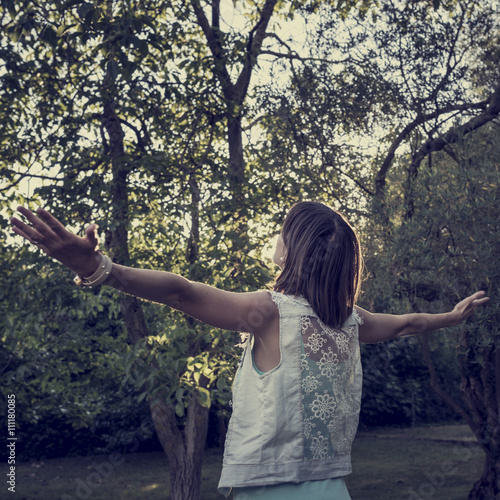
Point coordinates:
[[327, 489]]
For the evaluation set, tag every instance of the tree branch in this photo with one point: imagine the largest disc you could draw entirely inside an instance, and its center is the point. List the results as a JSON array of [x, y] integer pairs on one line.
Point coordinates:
[[419, 120], [254, 46], [457, 133], [292, 54], [215, 45], [296, 56], [16, 182]]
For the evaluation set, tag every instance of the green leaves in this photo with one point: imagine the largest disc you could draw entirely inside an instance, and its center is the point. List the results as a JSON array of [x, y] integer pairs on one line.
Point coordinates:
[[204, 397], [446, 251], [85, 10], [58, 354]]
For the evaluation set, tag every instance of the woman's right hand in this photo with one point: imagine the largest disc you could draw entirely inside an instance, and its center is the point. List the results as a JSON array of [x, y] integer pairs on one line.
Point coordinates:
[[48, 234]]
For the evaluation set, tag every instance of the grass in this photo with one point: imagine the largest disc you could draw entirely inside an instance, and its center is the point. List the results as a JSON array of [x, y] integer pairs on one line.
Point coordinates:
[[438, 463]]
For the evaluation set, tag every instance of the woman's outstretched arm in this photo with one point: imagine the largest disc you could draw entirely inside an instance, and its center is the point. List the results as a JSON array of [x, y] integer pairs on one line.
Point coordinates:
[[380, 327], [247, 312]]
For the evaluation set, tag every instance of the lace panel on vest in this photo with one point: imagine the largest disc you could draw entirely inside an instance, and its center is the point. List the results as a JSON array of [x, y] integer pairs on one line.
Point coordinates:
[[330, 388]]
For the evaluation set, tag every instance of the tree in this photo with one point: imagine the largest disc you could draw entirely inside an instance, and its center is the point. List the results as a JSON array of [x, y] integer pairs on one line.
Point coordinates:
[[449, 246], [393, 78], [403, 74], [100, 75]]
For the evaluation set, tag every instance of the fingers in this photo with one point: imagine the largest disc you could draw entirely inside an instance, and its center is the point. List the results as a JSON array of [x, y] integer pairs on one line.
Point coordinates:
[[91, 233], [479, 302], [467, 306], [39, 230], [19, 229], [44, 230], [477, 299], [51, 222], [473, 302], [47, 233], [27, 232]]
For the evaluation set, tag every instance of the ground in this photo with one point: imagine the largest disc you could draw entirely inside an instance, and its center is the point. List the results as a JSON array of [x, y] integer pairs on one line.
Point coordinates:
[[440, 463]]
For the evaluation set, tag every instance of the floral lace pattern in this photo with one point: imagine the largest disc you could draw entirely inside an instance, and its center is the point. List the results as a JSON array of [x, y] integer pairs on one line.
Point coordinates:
[[330, 383]]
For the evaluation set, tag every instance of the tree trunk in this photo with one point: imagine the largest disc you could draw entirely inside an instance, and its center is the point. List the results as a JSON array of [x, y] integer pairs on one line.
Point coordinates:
[[222, 425], [184, 450], [236, 157], [480, 393], [487, 487], [480, 377]]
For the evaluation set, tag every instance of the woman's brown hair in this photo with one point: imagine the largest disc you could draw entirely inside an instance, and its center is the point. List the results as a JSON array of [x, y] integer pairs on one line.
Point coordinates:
[[322, 262]]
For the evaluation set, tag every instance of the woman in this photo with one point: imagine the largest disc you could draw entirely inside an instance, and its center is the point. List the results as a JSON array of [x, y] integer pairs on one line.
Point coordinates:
[[297, 392]]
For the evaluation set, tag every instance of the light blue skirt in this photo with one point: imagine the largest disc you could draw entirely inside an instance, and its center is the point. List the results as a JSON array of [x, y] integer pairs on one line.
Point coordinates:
[[328, 489]]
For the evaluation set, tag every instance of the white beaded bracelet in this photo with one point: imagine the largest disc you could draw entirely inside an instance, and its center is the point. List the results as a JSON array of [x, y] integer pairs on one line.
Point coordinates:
[[100, 275]]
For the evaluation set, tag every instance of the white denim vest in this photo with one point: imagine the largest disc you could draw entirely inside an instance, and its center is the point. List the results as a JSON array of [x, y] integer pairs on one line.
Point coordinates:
[[297, 421]]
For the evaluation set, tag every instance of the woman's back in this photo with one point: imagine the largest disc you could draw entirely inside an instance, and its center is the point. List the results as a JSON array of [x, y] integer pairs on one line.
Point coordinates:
[[295, 422]]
